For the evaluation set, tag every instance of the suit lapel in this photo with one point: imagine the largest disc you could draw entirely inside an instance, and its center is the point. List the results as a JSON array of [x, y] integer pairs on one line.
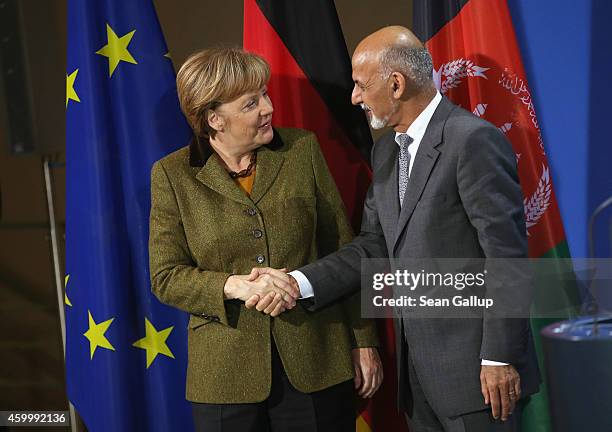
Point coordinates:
[[423, 164], [386, 186], [426, 158]]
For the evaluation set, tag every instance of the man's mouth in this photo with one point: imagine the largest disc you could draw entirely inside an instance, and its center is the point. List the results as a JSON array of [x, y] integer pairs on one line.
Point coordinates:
[[265, 125]]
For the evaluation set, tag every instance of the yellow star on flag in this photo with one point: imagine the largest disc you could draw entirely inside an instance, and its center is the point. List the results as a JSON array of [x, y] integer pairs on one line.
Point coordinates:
[[71, 94], [116, 49], [66, 299], [154, 342], [95, 334]]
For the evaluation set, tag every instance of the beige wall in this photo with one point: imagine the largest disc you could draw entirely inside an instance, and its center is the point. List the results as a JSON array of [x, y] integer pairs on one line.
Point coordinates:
[[191, 24]]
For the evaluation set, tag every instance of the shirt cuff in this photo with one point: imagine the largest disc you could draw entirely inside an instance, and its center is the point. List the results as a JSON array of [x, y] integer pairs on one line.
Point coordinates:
[[484, 362], [306, 290]]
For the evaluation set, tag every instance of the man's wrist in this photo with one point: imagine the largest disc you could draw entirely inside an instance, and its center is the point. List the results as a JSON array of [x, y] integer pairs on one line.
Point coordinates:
[[485, 362], [294, 283], [304, 285]]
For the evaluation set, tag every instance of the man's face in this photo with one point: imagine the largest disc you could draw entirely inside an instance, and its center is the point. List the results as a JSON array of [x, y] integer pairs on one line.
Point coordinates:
[[372, 92]]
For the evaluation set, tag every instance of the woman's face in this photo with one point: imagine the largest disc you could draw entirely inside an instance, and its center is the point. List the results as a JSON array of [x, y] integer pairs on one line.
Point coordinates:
[[245, 122]]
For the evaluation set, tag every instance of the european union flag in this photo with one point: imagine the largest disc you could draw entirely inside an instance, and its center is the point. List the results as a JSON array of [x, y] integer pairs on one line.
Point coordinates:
[[126, 352]]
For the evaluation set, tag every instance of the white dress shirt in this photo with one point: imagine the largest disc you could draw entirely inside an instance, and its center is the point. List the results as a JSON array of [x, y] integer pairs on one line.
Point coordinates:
[[416, 131]]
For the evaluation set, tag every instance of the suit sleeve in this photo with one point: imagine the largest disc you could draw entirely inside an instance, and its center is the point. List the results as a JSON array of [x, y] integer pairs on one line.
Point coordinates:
[[334, 230], [175, 279], [492, 197], [339, 274]]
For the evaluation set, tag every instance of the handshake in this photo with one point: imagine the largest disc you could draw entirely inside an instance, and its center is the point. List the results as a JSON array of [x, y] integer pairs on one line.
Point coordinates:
[[268, 290]]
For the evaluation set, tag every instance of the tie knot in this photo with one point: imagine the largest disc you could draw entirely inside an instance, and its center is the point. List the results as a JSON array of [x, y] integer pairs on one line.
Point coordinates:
[[404, 140]]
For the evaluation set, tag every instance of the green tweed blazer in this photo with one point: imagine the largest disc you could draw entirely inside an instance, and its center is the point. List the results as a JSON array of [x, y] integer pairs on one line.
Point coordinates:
[[204, 228]]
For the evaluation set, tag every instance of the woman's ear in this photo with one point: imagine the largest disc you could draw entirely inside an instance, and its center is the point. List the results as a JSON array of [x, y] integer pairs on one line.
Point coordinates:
[[215, 121]]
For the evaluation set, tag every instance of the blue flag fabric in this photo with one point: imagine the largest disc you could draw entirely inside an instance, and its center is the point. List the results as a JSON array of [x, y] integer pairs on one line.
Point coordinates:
[[126, 352]]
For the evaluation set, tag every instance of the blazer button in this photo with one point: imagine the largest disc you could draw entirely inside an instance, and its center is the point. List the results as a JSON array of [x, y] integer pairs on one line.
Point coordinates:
[[251, 211], [257, 233], [260, 259]]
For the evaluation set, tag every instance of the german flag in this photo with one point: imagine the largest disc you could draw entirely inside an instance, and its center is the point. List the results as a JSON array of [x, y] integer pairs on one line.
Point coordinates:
[[477, 64], [311, 85], [311, 88]]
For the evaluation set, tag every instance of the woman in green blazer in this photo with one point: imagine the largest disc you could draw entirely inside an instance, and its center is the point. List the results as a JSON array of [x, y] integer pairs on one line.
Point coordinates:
[[243, 195]]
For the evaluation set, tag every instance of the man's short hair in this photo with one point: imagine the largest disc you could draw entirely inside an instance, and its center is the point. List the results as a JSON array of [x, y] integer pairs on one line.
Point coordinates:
[[414, 63]]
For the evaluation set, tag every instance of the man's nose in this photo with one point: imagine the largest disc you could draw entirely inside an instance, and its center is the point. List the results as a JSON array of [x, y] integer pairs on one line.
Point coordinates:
[[356, 96]]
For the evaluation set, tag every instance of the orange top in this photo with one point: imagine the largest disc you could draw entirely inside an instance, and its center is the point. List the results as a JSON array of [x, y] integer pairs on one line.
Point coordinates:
[[246, 183]]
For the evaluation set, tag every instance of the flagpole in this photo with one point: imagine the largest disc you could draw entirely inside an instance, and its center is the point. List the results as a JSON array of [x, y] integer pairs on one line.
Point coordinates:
[[57, 270], [55, 247]]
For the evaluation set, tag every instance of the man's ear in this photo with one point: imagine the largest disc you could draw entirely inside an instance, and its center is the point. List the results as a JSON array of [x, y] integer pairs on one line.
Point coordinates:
[[215, 121], [398, 85]]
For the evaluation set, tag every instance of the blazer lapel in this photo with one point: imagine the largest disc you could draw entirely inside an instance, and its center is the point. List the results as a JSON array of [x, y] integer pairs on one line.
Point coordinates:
[[423, 164], [269, 163], [214, 175]]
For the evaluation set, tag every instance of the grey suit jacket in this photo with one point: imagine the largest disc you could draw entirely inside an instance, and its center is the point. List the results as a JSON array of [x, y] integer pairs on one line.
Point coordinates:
[[463, 200]]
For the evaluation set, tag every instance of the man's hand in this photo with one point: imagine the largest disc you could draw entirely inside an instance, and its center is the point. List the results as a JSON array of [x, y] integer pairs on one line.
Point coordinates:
[[278, 278], [501, 387], [269, 294], [368, 371], [279, 274]]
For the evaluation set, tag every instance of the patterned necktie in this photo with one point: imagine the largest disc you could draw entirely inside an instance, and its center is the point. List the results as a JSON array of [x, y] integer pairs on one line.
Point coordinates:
[[404, 163]]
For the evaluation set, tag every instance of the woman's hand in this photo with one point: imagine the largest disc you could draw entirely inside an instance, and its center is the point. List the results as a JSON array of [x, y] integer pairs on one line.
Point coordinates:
[[280, 278], [267, 293], [368, 371]]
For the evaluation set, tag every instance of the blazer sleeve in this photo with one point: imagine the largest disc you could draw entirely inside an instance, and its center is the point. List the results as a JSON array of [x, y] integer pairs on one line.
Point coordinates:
[[175, 279], [339, 273], [333, 231], [492, 198]]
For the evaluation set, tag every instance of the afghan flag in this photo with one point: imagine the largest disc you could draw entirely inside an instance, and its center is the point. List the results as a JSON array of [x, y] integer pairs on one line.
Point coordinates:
[[311, 88], [477, 64]]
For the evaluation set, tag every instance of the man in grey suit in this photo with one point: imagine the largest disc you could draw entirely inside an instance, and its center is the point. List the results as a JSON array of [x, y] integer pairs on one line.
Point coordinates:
[[444, 184]]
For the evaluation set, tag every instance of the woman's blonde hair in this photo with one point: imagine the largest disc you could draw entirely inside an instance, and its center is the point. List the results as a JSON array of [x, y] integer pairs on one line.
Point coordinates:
[[211, 77]]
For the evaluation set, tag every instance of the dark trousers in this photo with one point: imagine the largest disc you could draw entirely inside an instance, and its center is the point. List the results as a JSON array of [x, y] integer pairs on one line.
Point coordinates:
[[423, 417], [285, 410]]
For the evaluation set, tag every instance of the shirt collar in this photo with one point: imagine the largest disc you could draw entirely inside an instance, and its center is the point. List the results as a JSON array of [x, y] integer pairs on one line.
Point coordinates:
[[419, 125]]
